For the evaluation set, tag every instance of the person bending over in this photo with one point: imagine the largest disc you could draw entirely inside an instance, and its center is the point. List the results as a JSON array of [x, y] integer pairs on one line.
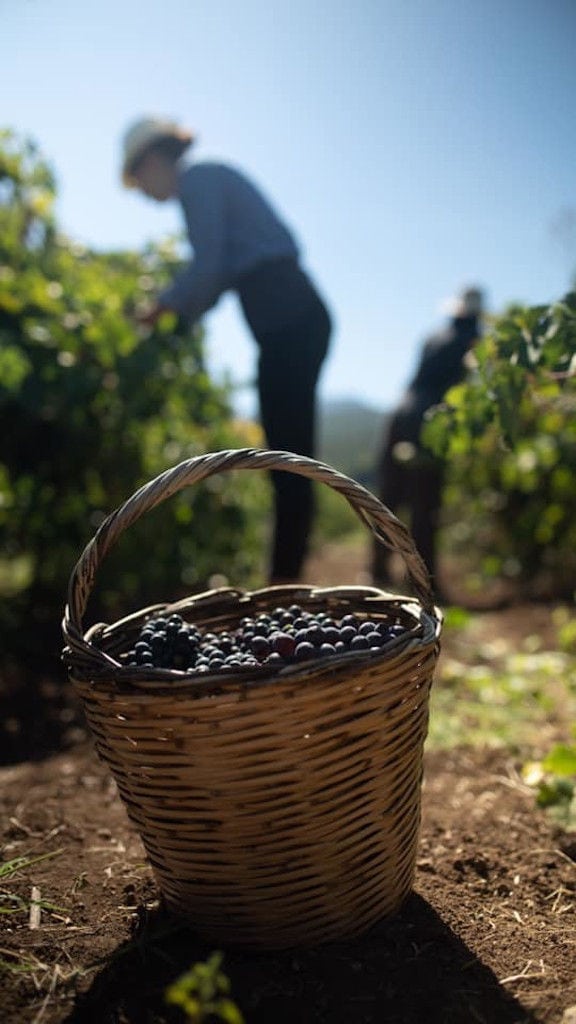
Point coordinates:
[[241, 244]]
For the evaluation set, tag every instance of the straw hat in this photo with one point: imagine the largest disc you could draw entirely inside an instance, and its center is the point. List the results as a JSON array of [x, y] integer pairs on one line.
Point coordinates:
[[146, 132]]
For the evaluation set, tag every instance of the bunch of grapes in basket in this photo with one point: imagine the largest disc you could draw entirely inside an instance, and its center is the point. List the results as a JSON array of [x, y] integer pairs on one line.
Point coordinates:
[[272, 640]]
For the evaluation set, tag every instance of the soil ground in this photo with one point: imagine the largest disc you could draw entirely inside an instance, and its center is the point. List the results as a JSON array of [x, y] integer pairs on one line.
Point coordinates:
[[487, 937]]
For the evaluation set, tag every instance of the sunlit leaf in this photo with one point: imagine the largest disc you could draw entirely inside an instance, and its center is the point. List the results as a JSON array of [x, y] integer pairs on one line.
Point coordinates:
[[561, 761]]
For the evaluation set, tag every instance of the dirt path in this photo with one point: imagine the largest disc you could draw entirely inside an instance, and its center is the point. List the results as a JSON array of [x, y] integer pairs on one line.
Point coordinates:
[[488, 936]]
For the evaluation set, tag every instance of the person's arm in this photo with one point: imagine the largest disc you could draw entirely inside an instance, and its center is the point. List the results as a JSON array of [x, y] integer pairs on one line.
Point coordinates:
[[201, 282]]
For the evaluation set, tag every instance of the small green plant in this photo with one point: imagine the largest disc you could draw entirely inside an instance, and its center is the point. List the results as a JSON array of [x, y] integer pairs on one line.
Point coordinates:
[[20, 964], [11, 903], [9, 868], [202, 993], [554, 780]]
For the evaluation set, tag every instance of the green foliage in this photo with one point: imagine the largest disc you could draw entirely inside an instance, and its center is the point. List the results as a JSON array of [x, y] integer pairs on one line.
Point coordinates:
[[497, 690], [508, 434], [202, 993], [456, 618], [565, 623], [91, 408], [501, 699], [561, 760], [554, 781]]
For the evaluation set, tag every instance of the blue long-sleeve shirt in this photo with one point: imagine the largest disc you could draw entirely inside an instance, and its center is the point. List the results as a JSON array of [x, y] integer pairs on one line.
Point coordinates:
[[233, 230]]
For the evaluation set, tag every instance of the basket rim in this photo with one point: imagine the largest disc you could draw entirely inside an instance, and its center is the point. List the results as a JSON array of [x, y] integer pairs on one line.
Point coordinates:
[[138, 681], [382, 523]]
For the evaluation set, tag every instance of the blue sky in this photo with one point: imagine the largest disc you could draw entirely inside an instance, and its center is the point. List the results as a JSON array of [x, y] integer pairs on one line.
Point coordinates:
[[413, 146]]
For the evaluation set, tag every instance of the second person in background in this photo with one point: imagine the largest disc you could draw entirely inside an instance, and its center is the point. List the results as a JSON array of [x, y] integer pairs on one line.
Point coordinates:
[[240, 244], [410, 477]]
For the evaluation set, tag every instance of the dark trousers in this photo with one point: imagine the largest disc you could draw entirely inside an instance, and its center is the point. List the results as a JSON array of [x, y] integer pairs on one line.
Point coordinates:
[[413, 485], [289, 366]]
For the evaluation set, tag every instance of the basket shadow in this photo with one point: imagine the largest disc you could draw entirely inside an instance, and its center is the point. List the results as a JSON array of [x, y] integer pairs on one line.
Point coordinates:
[[405, 970]]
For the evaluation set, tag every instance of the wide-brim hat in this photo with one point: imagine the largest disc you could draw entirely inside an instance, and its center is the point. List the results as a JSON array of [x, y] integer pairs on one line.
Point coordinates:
[[147, 132]]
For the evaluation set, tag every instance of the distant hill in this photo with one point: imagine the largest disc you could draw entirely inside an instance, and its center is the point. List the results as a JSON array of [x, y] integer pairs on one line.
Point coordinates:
[[350, 436]]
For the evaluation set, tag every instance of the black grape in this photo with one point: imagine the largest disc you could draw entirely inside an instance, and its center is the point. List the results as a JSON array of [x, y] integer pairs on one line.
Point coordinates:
[[266, 640]]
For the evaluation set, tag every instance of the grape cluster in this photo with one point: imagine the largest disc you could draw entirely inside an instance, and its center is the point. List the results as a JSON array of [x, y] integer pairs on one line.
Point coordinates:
[[272, 639]]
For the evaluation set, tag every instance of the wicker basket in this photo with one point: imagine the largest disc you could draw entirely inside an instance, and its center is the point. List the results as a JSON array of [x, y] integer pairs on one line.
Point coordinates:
[[277, 808]]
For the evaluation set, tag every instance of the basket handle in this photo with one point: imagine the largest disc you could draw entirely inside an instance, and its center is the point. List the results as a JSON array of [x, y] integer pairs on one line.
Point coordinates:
[[385, 526]]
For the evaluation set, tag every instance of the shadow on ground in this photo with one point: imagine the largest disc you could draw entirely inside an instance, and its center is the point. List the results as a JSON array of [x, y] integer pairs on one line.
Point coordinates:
[[409, 970]]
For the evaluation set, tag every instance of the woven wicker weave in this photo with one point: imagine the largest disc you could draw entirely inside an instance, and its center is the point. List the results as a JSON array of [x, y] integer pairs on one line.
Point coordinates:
[[277, 808]]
